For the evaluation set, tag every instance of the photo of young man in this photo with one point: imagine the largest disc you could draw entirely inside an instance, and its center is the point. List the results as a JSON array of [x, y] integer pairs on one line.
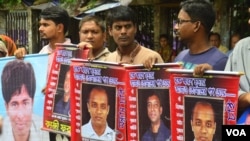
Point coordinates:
[[18, 90], [203, 118], [100, 106], [62, 99], [156, 125]]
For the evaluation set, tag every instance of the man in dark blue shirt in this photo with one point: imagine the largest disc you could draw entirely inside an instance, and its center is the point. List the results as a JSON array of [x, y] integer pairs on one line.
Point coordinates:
[[63, 105], [157, 131]]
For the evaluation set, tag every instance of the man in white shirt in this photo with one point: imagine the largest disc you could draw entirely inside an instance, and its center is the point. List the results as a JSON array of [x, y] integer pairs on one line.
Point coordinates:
[[98, 106]]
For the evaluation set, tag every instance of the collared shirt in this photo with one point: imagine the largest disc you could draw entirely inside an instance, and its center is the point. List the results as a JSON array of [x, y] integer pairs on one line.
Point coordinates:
[[139, 58], [102, 55], [36, 133], [239, 61], [162, 135], [88, 133], [48, 49]]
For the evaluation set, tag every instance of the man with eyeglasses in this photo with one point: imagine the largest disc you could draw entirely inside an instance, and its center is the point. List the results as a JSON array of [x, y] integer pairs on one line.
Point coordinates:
[[195, 20]]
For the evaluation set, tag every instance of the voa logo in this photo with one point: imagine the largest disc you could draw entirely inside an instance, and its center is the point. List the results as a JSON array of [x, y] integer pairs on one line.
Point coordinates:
[[236, 132]]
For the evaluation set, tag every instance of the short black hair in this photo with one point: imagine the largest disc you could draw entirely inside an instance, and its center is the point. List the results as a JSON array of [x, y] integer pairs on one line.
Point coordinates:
[[200, 10], [214, 34], [157, 95], [121, 13], [163, 36], [58, 15], [15, 74], [94, 18]]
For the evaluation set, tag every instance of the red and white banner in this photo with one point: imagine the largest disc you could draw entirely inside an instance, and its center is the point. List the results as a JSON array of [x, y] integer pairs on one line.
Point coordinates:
[[57, 115], [99, 94], [148, 101], [200, 105]]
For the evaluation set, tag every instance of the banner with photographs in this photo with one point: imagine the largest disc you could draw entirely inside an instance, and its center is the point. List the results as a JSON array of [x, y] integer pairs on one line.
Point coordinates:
[[148, 102], [57, 101], [200, 105], [21, 99], [98, 107]]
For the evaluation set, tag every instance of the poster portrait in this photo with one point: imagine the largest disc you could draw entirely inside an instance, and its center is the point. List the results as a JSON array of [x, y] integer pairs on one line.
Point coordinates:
[[98, 87], [57, 112], [90, 112], [204, 119], [145, 115], [22, 82], [140, 84], [216, 90]]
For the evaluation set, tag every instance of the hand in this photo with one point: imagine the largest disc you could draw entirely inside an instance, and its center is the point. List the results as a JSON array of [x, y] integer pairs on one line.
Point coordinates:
[[148, 63], [201, 68], [44, 90], [83, 45], [86, 45], [20, 52]]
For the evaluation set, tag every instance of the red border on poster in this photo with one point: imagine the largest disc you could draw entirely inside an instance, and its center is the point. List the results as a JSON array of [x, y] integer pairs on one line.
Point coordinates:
[[55, 122], [86, 74], [218, 87], [142, 83]]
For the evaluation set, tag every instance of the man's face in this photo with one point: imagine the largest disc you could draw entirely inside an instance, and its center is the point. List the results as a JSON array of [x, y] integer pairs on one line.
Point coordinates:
[[154, 109], [19, 110], [98, 108], [163, 42], [123, 33], [48, 29], [90, 32], [185, 28], [234, 40], [214, 41], [67, 83], [203, 124]]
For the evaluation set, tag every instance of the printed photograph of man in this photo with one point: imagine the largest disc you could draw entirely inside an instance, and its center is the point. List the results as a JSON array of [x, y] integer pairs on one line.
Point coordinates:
[[156, 128], [18, 89], [204, 121], [62, 99], [99, 102]]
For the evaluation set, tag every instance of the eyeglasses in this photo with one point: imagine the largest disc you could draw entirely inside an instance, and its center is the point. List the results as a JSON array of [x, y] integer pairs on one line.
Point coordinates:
[[179, 21]]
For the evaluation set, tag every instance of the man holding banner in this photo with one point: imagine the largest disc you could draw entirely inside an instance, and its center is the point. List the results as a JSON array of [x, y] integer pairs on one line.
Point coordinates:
[[92, 34], [54, 24]]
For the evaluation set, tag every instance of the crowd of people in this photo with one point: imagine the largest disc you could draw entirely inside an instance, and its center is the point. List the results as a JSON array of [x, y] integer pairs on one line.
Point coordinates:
[[195, 21]]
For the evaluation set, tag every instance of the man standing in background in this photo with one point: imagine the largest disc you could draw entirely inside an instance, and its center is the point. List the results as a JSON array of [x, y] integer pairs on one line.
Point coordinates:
[[215, 40]]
